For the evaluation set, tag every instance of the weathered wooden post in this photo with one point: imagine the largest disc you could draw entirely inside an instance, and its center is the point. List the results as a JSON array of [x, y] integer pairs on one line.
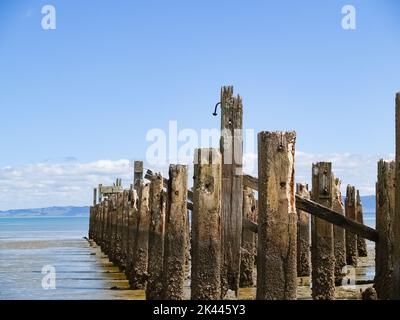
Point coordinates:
[[232, 187], [138, 278], [175, 233], [132, 231], [108, 211], [98, 230], [99, 194], [396, 219], [385, 211], [303, 235], [119, 228], [95, 223], [125, 229], [113, 227], [91, 221], [322, 247], [92, 230], [138, 173], [94, 197], [277, 218], [248, 240], [206, 226], [338, 233], [91, 214], [351, 238], [156, 238], [188, 242], [102, 224], [99, 225]]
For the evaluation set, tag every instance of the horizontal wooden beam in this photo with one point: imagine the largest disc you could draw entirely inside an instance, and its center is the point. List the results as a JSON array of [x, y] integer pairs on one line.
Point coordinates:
[[250, 225], [301, 204], [104, 190], [321, 212], [251, 182], [336, 218]]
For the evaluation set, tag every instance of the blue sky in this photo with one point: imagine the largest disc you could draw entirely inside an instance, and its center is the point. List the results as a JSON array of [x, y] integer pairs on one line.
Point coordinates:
[[112, 70]]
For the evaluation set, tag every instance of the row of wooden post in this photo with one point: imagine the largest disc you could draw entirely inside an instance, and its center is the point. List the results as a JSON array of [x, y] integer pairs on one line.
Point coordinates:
[[144, 236], [145, 229]]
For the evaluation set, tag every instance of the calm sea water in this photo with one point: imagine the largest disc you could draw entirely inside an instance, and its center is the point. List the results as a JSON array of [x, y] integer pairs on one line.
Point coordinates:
[[28, 229], [31, 249], [29, 244], [369, 219]]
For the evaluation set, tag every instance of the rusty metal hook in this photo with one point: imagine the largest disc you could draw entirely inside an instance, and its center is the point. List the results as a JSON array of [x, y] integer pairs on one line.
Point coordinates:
[[215, 110]]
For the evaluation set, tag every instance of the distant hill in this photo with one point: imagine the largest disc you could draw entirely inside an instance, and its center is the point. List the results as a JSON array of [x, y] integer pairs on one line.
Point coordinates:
[[70, 211], [48, 212]]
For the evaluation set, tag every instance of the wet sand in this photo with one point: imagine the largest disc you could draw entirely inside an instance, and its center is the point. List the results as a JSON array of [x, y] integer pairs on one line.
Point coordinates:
[[365, 271], [82, 272]]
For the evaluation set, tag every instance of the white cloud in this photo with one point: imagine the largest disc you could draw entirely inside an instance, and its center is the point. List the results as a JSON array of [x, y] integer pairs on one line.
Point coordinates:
[[72, 182], [68, 183], [357, 170]]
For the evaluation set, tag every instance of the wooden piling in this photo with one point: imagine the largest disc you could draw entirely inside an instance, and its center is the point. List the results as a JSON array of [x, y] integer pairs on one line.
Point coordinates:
[[277, 218], [119, 229], [249, 246], [91, 221], [322, 247], [125, 229], [188, 241], [97, 225], [206, 226], [396, 219], [92, 232], [175, 234], [231, 148], [132, 231], [101, 231], [385, 212], [112, 211], [94, 197], [103, 225], [139, 275], [303, 235], [138, 173], [96, 232], [99, 193], [361, 242], [156, 238], [338, 233], [351, 238], [92, 214], [108, 210]]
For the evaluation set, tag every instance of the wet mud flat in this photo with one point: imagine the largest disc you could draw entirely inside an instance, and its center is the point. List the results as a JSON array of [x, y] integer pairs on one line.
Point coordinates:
[[361, 279], [81, 272]]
